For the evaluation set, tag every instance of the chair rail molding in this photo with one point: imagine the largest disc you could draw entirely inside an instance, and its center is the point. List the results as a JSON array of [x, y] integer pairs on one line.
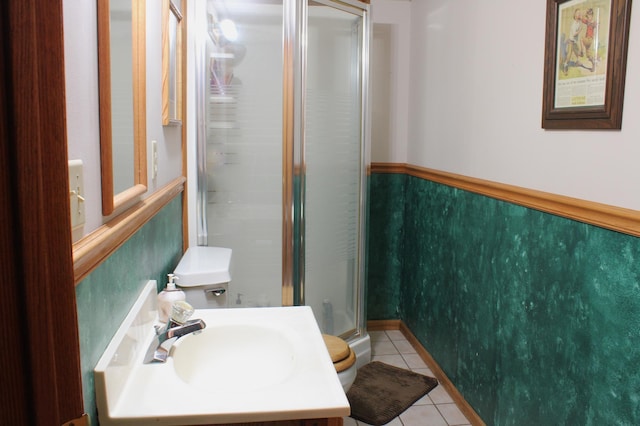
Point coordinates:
[[606, 216]]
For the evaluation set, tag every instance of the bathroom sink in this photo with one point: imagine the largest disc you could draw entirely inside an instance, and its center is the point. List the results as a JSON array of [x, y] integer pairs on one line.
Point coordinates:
[[247, 365], [234, 358]]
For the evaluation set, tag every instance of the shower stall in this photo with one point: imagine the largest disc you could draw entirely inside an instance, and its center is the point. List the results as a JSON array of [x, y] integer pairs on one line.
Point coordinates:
[[281, 162]]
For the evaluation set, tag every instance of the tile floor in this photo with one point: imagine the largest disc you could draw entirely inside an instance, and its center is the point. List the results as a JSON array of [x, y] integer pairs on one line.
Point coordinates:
[[434, 409]]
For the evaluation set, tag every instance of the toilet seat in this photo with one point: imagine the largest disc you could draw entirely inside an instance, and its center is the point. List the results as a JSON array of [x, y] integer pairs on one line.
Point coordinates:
[[341, 354], [346, 363]]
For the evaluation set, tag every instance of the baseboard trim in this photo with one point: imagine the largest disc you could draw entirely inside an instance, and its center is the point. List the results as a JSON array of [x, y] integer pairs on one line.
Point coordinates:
[[381, 325], [463, 405]]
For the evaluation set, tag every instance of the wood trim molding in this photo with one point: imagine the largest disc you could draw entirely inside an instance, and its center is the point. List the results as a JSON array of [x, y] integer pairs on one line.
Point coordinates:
[[139, 16], [463, 405], [165, 61], [614, 218], [381, 325], [97, 246], [110, 201]]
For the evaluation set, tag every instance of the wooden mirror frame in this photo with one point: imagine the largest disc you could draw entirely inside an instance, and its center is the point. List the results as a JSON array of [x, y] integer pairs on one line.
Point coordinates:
[[111, 201], [172, 63]]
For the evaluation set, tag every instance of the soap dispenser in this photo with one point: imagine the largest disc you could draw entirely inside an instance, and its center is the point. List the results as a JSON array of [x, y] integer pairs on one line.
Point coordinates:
[[167, 297]]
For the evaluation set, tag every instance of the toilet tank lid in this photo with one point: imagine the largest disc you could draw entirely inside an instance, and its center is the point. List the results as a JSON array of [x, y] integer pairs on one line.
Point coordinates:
[[202, 265]]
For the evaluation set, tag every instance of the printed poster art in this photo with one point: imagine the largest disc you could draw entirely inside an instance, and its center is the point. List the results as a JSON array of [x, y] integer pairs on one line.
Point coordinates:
[[582, 46]]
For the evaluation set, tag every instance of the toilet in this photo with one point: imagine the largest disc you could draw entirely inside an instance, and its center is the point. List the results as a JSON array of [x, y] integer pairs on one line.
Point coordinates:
[[344, 360], [204, 275]]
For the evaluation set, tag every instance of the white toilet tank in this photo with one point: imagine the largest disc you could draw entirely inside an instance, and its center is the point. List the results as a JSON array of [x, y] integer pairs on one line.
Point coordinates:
[[204, 275]]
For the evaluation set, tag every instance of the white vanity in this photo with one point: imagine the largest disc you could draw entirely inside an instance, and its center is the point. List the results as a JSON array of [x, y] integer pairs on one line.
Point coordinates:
[[253, 365]]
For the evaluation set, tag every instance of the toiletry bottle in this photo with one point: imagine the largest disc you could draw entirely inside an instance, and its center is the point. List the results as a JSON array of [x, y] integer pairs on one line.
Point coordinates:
[[167, 297]]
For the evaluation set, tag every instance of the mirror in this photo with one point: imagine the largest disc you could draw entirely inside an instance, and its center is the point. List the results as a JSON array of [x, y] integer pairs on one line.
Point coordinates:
[[122, 89], [171, 62]]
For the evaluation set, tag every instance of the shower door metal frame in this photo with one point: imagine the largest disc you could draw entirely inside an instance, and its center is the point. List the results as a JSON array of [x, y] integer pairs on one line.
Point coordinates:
[[201, 132], [293, 98], [294, 166]]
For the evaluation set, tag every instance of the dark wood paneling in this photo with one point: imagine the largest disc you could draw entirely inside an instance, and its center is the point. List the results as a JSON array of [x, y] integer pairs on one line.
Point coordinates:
[[41, 373]]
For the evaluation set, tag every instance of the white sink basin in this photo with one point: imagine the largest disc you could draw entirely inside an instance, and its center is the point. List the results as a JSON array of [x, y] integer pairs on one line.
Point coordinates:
[[234, 358], [247, 365]]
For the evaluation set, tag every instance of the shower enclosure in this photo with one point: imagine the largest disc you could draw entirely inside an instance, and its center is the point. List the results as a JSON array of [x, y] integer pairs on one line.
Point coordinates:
[[282, 152]]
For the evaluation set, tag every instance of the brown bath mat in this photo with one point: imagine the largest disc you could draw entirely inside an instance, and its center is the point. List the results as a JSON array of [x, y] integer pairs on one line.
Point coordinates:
[[381, 392]]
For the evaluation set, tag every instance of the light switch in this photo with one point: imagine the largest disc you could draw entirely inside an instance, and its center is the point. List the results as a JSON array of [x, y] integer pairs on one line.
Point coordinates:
[[76, 193]]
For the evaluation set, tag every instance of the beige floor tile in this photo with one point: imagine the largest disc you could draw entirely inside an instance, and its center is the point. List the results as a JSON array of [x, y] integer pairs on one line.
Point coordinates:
[[440, 396], [393, 422], [414, 361], [395, 360], [424, 371], [383, 347], [378, 336], [395, 335], [452, 414], [404, 347], [425, 400], [422, 415]]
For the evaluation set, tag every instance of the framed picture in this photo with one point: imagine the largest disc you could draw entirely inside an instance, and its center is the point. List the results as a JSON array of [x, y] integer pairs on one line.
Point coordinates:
[[585, 63]]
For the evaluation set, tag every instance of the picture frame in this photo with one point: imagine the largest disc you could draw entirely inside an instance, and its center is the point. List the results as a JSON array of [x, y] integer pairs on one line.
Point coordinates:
[[586, 43]]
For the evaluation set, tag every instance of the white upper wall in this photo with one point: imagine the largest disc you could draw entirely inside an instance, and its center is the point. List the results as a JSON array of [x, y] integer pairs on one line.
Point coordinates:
[[466, 97], [81, 79], [475, 103], [391, 45]]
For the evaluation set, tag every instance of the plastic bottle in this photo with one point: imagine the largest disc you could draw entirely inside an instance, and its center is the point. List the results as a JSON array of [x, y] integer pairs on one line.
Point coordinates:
[[167, 297]]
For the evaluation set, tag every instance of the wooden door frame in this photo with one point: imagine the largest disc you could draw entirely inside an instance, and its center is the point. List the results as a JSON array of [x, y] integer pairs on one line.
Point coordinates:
[[40, 381]]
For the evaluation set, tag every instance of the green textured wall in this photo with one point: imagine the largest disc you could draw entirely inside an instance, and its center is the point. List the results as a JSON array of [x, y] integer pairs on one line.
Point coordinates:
[[106, 295], [385, 239], [535, 318]]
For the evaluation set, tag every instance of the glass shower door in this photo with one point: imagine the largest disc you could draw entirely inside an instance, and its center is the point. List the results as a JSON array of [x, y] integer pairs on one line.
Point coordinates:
[[284, 174], [244, 145], [334, 166]]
